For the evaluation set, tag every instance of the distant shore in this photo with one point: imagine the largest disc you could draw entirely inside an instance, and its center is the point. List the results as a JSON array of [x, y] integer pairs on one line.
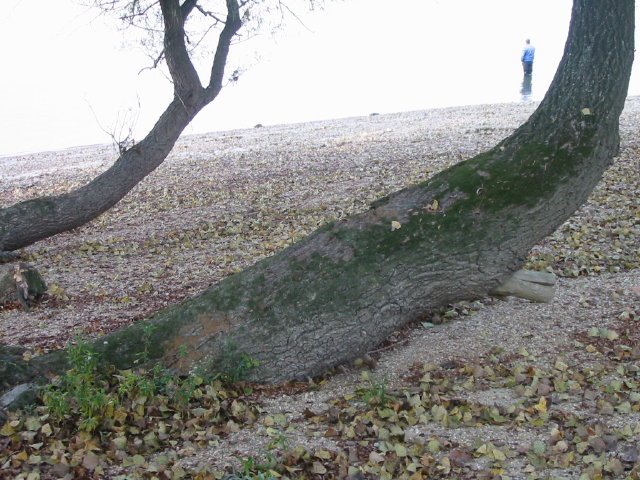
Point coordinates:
[[99, 149], [503, 116]]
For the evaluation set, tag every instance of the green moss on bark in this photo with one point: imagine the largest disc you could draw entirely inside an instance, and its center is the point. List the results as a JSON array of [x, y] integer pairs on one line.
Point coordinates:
[[281, 292], [43, 206]]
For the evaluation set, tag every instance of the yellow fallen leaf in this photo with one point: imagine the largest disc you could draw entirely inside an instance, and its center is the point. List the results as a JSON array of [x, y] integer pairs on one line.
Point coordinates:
[[498, 455], [395, 225], [401, 450], [318, 468], [7, 430], [375, 457], [46, 429], [541, 406], [32, 424], [324, 454], [353, 471], [482, 449], [22, 456]]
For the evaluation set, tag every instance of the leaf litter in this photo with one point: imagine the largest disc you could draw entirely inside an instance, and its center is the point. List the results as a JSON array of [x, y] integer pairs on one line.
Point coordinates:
[[463, 395]]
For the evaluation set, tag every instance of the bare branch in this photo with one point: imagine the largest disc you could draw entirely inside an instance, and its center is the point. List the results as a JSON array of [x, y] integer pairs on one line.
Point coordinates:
[[186, 8], [121, 132], [195, 23], [209, 14], [155, 62], [284, 6], [203, 36]]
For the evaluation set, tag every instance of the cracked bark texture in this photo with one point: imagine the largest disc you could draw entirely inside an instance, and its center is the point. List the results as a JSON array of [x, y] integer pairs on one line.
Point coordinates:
[[342, 290]]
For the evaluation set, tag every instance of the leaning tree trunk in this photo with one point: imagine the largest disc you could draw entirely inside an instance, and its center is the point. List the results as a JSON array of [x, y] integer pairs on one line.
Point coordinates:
[[27, 222], [343, 289]]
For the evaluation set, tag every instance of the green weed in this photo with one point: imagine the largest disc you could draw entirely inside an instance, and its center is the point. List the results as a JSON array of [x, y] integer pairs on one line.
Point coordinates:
[[373, 391]]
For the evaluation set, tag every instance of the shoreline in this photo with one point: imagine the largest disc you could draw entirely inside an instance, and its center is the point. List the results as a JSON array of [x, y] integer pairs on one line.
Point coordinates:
[[73, 148], [279, 126]]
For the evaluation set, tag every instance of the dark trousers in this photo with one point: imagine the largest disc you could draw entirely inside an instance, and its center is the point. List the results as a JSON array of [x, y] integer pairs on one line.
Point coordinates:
[[528, 67]]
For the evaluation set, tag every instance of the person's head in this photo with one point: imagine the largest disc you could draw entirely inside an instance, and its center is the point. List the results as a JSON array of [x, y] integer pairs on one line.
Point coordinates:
[[527, 41]]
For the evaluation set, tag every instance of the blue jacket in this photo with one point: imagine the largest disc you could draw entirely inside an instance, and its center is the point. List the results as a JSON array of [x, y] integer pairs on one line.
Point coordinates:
[[528, 53]]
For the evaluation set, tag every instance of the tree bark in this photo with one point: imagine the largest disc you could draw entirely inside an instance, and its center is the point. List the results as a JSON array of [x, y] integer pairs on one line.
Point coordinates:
[[27, 222], [342, 290]]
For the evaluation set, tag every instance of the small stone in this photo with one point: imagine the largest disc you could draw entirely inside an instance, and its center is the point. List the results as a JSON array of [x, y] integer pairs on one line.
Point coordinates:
[[611, 441], [460, 457], [630, 454], [598, 444]]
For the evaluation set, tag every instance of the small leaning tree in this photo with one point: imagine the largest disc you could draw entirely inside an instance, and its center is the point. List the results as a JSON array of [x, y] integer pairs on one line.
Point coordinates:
[[27, 222], [344, 288]]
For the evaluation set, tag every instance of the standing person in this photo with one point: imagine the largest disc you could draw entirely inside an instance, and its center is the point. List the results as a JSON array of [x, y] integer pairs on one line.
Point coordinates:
[[527, 57]]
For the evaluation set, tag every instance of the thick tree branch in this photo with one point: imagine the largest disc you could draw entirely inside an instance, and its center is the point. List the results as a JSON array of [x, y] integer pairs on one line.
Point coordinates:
[[185, 78], [231, 27], [187, 7], [27, 222]]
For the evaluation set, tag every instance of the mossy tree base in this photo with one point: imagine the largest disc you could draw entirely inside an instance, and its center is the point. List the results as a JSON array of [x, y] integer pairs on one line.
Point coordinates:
[[342, 290], [459, 235]]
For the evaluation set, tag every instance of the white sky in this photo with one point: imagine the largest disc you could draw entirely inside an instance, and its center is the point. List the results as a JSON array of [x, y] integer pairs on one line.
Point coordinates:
[[66, 72]]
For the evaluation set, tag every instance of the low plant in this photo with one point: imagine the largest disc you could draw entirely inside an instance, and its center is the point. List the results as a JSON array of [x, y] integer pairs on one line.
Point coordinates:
[[253, 469], [373, 391], [80, 390], [245, 364], [88, 396], [147, 332]]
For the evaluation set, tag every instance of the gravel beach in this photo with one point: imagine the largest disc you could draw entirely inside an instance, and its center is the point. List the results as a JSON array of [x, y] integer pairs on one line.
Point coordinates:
[[222, 201]]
